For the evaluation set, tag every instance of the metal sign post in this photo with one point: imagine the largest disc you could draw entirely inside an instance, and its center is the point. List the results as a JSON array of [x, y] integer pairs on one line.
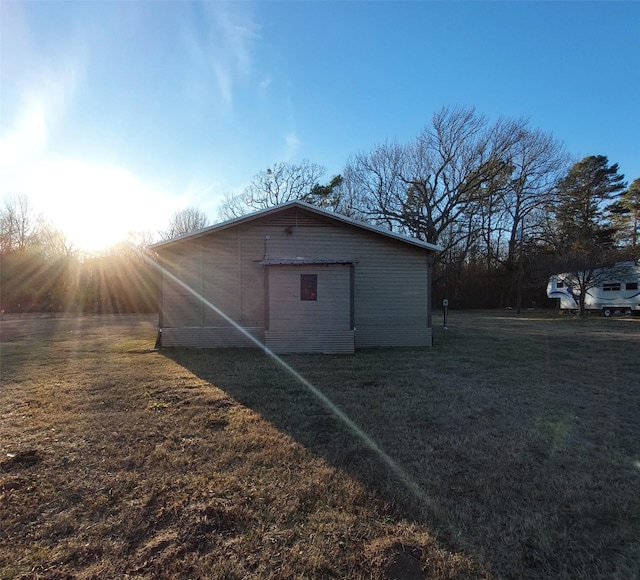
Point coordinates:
[[445, 305]]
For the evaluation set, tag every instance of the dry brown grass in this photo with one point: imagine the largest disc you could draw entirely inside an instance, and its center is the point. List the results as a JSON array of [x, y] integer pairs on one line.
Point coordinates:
[[521, 434]]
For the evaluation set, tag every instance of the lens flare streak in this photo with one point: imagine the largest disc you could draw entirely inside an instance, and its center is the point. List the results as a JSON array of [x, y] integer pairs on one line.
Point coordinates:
[[400, 473]]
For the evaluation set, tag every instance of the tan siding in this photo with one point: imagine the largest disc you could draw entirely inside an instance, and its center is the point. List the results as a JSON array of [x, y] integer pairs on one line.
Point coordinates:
[[203, 337], [220, 273], [327, 342], [331, 310], [390, 278], [252, 280], [294, 218], [180, 307], [221, 277]]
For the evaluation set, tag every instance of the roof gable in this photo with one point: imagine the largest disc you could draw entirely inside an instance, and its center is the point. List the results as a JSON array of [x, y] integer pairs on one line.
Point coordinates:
[[300, 205]]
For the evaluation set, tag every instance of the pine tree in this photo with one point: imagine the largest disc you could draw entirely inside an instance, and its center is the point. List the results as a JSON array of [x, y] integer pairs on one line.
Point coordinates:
[[585, 238], [582, 196], [625, 216]]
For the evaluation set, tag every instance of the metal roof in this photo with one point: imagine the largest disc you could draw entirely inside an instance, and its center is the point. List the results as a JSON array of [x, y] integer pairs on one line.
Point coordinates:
[[301, 205]]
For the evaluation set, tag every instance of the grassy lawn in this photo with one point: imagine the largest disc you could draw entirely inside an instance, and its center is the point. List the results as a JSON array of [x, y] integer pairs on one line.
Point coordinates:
[[510, 450]]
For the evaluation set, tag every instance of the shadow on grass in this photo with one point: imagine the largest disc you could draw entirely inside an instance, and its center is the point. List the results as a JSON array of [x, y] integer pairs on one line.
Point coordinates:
[[525, 443]]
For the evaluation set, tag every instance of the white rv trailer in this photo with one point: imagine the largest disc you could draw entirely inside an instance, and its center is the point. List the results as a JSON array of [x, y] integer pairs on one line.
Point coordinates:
[[611, 296]]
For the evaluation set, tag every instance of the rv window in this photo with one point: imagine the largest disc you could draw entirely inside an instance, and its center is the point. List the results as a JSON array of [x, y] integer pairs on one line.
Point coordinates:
[[559, 284], [308, 287], [611, 286], [631, 286]]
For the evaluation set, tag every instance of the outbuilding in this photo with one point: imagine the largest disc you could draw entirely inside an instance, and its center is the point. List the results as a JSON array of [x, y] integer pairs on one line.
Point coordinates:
[[295, 278]]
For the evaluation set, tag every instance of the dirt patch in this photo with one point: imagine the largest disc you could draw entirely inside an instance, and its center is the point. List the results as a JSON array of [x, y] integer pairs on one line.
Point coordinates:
[[21, 459], [403, 563]]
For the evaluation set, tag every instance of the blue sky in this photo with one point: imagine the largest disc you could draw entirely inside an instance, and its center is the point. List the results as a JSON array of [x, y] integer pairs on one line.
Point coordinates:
[[116, 114]]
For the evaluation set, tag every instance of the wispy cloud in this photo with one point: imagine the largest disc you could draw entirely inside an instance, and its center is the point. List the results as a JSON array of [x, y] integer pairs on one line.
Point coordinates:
[[27, 136], [264, 86], [38, 111], [220, 40], [292, 145], [292, 142], [38, 89], [39, 93], [236, 30]]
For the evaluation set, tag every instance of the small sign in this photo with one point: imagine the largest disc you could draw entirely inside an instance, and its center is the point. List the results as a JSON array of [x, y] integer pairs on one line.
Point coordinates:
[[445, 303]]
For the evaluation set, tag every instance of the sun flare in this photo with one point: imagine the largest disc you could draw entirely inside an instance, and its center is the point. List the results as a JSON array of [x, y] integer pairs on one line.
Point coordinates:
[[96, 206]]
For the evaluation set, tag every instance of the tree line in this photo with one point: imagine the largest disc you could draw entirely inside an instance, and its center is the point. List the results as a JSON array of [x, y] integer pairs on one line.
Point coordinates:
[[505, 202], [40, 270]]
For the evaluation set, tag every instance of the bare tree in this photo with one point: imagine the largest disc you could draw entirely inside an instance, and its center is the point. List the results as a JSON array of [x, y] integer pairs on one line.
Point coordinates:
[[537, 161], [464, 183], [185, 221], [35, 259], [347, 196], [278, 184], [508, 210], [135, 245], [53, 244], [19, 225], [431, 186]]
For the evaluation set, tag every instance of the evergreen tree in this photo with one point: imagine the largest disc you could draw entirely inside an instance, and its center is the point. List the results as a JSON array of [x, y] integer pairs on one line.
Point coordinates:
[[625, 216], [584, 237], [582, 203]]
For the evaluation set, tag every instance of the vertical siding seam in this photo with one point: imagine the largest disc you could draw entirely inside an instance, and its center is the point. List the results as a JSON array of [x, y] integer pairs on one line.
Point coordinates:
[[201, 289], [160, 296], [429, 294], [352, 296], [241, 289], [266, 297]]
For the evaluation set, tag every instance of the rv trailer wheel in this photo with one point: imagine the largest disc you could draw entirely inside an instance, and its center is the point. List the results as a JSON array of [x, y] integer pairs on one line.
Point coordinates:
[[606, 312], [617, 312]]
